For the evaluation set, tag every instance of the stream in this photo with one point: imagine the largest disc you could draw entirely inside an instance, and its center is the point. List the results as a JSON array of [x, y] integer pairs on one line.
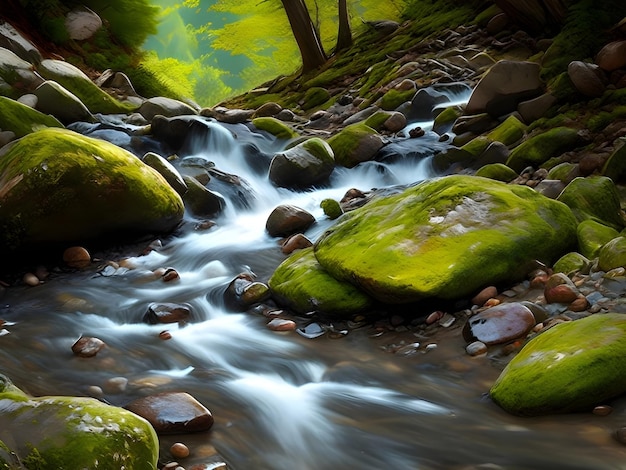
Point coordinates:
[[282, 401]]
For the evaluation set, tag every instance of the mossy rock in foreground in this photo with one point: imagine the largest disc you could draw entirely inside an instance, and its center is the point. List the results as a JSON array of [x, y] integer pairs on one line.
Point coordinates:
[[573, 366], [301, 284], [62, 187], [54, 432], [445, 238]]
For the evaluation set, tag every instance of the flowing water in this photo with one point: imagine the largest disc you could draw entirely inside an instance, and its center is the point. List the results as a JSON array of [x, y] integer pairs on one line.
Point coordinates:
[[282, 401]]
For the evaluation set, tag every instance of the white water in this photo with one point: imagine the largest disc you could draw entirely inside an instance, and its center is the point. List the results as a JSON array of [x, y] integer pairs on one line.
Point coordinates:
[[280, 401]]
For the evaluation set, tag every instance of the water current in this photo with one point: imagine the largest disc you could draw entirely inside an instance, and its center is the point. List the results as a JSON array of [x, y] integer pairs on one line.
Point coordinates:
[[282, 401]]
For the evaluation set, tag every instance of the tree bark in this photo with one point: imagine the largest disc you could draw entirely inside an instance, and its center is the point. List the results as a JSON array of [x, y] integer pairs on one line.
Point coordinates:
[[344, 36], [309, 43]]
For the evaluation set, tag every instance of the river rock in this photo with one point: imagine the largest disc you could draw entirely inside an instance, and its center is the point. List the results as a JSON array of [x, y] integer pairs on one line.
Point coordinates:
[[244, 291], [447, 237], [572, 366], [173, 413], [201, 201], [163, 106], [301, 284], [64, 187], [307, 164], [499, 324], [167, 170], [17, 73], [87, 433], [55, 100], [87, 346], [571, 263], [539, 148], [533, 109], [615, 165], [592, 236], [21, 119], [612, 56], [497, 171], [594, 198], [286, 220], [15, 42], [588, 78], [82, 23], [167, 313], [505, 85], [354, 144], [75, 81], [275, 127], [613, 254]]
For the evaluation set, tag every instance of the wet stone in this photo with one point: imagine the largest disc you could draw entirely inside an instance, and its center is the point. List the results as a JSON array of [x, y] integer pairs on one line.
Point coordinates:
[[76, 257], [311, 331], [280, 324], [295, 242], [87, 346], [173, 412], [179, 450], [499, 324], [167, 313], [476, 348], [484, 295]]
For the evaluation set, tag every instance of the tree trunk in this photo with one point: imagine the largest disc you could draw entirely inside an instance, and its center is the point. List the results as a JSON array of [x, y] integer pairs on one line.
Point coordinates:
[[309, 43], [344, 37]]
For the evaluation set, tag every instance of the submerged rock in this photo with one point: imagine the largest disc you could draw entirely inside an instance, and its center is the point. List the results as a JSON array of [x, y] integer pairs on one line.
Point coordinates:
[[56, 432], [60, 187], [446, 238], [572, 366]]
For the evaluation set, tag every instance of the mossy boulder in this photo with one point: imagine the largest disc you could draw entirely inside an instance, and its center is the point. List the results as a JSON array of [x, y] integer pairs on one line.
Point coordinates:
[[594, 198], [613, 254], [571, 263], [59, 186], [332, 209], [356, 143], [615, 166], [394, 98], [54, 432], [445, 238], [445, 119], [22, 119], [509, 132], [55, 100], [564, 172], [314, 97], [497, 171], [572, 366], [301, 284], [307, 164], [277, 128], [542, 147], [592, 236], [74, 80]]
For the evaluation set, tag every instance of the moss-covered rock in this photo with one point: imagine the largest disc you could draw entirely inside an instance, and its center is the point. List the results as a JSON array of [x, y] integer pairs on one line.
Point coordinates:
[[53, 432], [592, 236], [446, 238], [309, 163], [511, 131], [497, 171], [55, 100], [564, 172], [571, 263], [355, 144], [303, 285], [59, 187], [445, 119], [22, 119], [595, 198], [74, 80], [615, 166], [378, 119], [542, 147], [613, 254], [277, 128], [314, 97], [572, 366], [394, 98], [332, 209]]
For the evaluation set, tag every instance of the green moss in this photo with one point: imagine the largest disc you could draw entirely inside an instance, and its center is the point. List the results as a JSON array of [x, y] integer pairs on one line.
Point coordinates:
[[304, 286], [394, 98], [331, 208], [563, 172], [571, 263], [444, 120], [599, 121], [592, 236], [376, 120], [509, 132], [347, 144], [275, 127], [477, 145], [433, 241], [615, 166], [572, 366], [540, 148], [22, 119], [497, 171], [314, 97]]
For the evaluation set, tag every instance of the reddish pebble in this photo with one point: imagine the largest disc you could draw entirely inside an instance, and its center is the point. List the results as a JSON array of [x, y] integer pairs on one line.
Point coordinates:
[[280, 324], [87, 346], [492, 302], [179, 450], [165, 335], [170, 274], [579, 305], [31, 280], [434, 317], [561, 294], [484, 295], [77, 257]]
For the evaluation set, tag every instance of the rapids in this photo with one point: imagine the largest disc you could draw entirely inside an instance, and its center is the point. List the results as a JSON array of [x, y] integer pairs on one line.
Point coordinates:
[[282, 401]]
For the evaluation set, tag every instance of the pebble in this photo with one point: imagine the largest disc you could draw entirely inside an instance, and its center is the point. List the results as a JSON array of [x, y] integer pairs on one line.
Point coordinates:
[[170, 275], [116, 385], [602, 410], [95, 391], [280, 324], [87, 346], [484, 295], [434, 317], [31, 280], [165, 335], [179, 450], [476, 348], [76, 257]]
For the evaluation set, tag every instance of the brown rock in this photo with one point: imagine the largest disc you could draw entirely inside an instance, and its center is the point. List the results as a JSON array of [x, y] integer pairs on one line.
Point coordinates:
[[87, 346], [173, 413], [588, 78], [76, 257], [579, 305], [167, 313], [280, 324], [499, 324], [179, 450], [612, 56], [286, 220], [484, 295], [295, 242], [563, 294]]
